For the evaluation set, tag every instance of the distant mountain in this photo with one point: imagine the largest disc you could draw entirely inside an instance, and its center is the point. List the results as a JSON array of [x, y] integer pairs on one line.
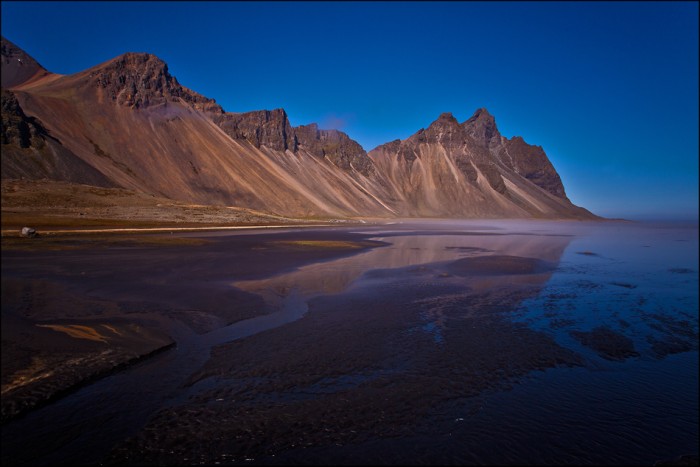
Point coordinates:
[[128, 123]]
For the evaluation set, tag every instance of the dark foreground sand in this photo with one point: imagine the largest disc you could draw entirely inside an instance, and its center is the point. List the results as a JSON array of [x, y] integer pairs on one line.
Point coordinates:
[[295, 394], [366, 364], [77, 308], [383, 367]]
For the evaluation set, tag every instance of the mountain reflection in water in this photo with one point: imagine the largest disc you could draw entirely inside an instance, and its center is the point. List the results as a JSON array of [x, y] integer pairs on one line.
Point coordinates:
[[411, 249]]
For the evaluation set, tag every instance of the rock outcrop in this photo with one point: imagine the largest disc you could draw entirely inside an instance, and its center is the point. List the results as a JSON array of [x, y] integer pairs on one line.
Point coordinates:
[[482, 128], [336, 146], [532, 163], [17, 128], [142, 80], [269, 128]]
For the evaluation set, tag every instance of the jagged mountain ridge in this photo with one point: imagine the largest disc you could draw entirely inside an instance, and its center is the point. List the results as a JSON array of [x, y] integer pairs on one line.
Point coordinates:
[[471, 160], [132, 123]]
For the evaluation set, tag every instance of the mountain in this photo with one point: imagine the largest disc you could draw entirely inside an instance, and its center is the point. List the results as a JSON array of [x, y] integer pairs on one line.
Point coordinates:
[[128, 123], [28, 151], [469, 169], [17, 66]]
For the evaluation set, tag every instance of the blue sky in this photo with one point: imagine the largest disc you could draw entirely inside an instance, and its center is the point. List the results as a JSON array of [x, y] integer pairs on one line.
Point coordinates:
[[608, 89]]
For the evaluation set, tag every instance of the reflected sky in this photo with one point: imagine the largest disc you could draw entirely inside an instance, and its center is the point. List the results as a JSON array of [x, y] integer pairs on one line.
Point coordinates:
[[412, 246]]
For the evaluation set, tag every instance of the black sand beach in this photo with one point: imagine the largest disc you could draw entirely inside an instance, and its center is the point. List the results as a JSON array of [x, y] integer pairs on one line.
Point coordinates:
[[376, 344]]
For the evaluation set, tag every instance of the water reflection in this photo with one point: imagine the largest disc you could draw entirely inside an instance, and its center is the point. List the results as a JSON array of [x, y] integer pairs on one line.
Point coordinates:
[[409, 253]]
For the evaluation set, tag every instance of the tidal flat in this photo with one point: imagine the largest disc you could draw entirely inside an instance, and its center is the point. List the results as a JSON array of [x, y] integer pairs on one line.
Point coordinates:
[[416, 342]]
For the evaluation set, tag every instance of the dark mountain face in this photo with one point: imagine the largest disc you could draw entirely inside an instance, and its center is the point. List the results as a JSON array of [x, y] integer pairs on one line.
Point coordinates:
[[531, 163], [482, 128], [335, 145], [17, 66], [129, 123], [271, 128], [142, 80], [268, 128], [17, 129]]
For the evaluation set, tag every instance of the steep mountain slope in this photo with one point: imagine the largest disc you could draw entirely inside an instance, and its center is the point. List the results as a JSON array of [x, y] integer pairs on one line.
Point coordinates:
[[515, 154], [471, 170], [128, 123], [29, 152], [133, 122]]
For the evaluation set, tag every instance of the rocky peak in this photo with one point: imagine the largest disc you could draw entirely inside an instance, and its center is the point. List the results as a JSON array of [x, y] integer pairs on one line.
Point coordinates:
[[445, 130], [142, 80], [482, 127], [446, 117], [17, 65], [446, 121], [483, 113], [391, 146], [269, 128], [335, 145]]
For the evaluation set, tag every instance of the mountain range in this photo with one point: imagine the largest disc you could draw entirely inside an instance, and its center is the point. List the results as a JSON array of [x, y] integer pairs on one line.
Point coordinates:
[[129, 124]]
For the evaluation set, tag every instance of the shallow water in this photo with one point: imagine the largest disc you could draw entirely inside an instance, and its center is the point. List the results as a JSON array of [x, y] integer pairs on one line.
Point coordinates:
[[638, 282]]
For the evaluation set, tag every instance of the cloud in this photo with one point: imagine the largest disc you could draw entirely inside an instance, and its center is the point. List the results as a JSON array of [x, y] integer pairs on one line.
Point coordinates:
[[334, 121]]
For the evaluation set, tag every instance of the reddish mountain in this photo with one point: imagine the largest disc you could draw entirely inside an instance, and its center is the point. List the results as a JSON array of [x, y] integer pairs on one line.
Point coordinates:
[[469, 169], [17, 66], [128, 123]]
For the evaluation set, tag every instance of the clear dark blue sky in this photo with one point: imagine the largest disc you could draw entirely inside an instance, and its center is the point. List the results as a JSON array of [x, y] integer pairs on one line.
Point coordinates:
[[608, 89]]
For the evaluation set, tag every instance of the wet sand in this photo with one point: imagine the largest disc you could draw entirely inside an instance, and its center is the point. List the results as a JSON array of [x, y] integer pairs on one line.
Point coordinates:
[[357, 346], [607, 343], [78, 309], [319, 383], [363, 364]]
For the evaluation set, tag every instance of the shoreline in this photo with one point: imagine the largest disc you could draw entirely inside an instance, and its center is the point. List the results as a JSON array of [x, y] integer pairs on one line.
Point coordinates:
[[16, 232], [59, 232]]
